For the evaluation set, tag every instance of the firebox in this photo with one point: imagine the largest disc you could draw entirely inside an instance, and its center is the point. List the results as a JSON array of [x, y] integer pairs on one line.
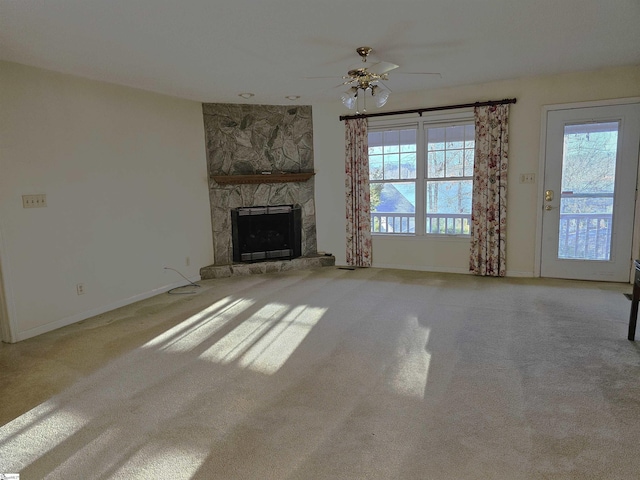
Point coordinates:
[[266, 233]]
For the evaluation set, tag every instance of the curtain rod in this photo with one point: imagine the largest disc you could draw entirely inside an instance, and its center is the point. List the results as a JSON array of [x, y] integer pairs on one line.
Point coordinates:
[[419, 111]]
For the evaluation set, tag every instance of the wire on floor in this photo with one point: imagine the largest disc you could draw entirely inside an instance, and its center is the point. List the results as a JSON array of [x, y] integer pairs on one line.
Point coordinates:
[[175, 290]]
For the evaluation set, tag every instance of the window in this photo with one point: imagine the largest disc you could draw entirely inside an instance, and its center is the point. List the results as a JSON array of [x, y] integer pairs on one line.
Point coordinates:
[[421, 176], [449, 179], [392, 177]]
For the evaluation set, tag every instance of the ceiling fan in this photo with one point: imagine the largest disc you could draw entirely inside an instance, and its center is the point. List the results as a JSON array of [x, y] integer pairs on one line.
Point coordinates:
[[367, 80], [367, 74]]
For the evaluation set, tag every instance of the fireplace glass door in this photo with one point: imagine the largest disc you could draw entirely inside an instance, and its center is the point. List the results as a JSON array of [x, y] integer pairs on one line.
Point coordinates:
[[266, 233]]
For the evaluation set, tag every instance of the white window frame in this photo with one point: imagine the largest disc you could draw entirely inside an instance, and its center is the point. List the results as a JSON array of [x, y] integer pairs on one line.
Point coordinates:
[[426, 121], [402, 125]]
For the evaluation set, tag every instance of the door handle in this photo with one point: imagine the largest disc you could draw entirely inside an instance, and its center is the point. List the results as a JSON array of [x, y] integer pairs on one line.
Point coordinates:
[[549, 207], [548, 195]]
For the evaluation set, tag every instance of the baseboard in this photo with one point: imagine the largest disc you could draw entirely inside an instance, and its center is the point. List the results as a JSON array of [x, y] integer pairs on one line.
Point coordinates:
[[515, 273], [422, 268], [63, 322]]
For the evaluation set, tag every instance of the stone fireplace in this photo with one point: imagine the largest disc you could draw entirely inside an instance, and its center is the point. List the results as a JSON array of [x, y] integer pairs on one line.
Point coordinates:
[[257, 156]]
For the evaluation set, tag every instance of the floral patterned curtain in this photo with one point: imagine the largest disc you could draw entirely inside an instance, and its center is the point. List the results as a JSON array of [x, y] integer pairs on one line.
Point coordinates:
[[357, 188], [489, 211]]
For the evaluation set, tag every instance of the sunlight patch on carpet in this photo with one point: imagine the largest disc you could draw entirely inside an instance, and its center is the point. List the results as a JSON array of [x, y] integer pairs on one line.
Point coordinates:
[[154, 460], [267, 339], [108, 440], [271, 352], [238, 341], [197, 328], [38, 431], [410, 368]]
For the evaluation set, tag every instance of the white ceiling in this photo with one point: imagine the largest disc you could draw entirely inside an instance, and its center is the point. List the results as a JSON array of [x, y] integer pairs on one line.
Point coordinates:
[[211, 51]]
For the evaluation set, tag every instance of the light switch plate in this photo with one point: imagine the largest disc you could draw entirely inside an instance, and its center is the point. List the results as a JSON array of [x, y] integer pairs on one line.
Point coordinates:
[[528, 178], [34, 201]]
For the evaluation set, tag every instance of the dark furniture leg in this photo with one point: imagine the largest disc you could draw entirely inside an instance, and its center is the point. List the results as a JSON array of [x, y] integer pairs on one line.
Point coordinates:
[[633, 318]]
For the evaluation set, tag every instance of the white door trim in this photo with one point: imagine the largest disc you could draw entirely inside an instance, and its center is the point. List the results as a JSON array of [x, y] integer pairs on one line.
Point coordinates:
[[7, 307], [541, 165]]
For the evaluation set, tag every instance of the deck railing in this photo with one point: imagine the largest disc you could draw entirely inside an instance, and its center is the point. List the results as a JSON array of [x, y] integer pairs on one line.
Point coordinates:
[[581, 235], [403, 223], [449, 223], [391, 222], [585, 236]]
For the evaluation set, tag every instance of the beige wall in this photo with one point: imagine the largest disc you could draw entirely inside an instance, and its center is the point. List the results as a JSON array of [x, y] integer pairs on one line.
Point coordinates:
[[451, 254], [125, 176]]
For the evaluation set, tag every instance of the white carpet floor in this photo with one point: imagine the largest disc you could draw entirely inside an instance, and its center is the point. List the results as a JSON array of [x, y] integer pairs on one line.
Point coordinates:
[[334, 374]]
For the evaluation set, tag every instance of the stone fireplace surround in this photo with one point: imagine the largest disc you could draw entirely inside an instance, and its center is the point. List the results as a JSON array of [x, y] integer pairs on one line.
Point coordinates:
[[250, 140]]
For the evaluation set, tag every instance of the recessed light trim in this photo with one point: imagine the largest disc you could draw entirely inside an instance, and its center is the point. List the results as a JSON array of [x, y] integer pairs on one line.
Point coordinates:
[[292, 97], [246, 95]]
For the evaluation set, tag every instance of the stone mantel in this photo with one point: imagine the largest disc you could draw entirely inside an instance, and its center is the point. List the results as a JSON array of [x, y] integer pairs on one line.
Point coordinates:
[[262, 178]]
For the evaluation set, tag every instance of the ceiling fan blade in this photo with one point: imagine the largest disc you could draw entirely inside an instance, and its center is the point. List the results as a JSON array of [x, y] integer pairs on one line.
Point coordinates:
[[385, 86], [419, 73], [380, 68]]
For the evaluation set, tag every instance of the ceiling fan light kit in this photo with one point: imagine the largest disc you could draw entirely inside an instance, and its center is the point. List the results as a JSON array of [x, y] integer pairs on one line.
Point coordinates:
[[364, 82]]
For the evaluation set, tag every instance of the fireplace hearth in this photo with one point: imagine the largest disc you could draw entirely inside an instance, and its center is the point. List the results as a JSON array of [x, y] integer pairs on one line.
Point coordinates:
[[266, 233]]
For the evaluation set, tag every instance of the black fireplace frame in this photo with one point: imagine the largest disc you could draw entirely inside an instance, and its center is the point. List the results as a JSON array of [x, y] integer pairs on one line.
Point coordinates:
[[247, 221]]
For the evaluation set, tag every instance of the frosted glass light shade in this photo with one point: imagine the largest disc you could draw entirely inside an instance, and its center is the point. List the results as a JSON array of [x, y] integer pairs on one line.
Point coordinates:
[[349, 98], [380, 95]]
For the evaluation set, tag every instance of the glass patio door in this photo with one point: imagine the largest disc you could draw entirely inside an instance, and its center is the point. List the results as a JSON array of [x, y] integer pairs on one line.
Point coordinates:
[[591, 162]]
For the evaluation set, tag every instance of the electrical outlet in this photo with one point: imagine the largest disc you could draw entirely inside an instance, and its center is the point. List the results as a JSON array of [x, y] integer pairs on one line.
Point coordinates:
[[80, 288], [528, 178], [34, 201]]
